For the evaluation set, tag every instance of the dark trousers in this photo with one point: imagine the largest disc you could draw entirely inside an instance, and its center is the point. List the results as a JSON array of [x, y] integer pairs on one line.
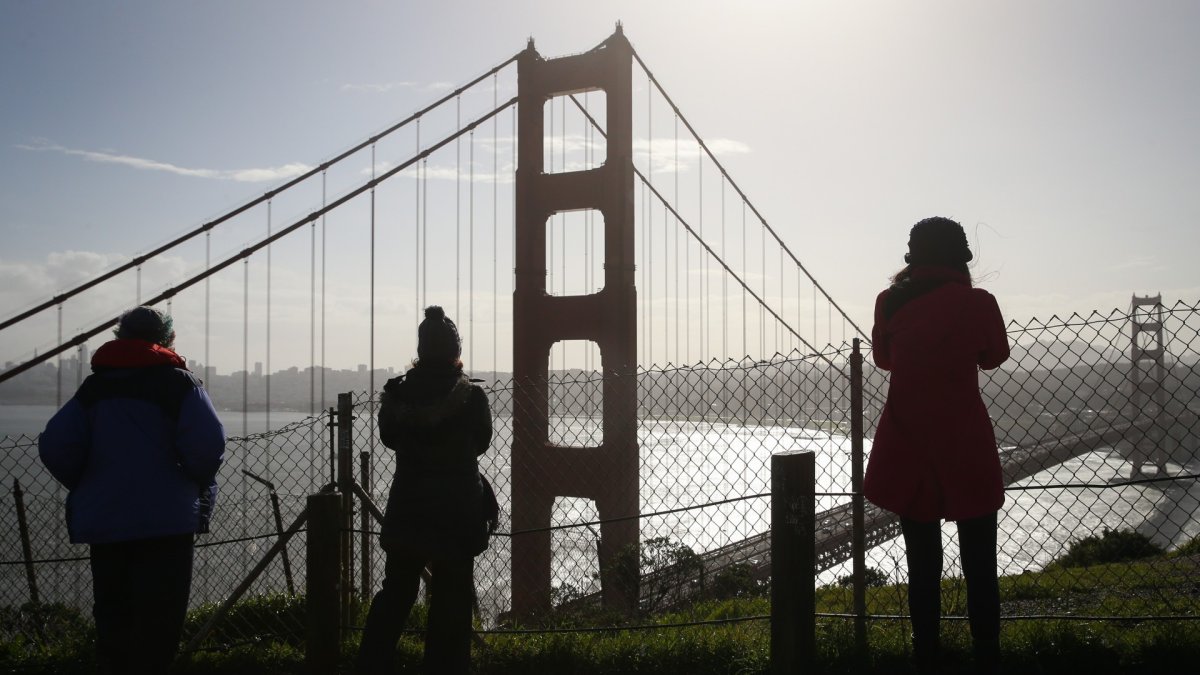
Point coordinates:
[[140, 591], [923, 548], [448, 629]]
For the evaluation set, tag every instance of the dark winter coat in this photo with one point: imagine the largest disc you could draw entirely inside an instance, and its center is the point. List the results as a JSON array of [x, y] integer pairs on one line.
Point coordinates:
[[438, 423], [138, 447], [934, 455]]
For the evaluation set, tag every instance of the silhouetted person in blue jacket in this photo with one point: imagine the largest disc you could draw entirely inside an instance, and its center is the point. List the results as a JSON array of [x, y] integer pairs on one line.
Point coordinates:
[[138, 447]]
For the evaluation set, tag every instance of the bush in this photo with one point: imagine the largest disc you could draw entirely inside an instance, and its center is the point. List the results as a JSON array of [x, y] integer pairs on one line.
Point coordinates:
[[277, 617], [1192, 547], [871, 575], [1110, 547], [736, 581]]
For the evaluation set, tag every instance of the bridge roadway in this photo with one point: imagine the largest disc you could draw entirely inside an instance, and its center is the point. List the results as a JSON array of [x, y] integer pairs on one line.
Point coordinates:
[[834, 536]]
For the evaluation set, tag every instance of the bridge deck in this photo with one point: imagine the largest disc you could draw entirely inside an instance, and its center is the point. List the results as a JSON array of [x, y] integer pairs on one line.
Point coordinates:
[[834, 526]]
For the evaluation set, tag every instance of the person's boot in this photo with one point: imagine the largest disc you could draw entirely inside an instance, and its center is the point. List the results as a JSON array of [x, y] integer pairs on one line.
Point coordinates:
[[987, 656], [926, 655]]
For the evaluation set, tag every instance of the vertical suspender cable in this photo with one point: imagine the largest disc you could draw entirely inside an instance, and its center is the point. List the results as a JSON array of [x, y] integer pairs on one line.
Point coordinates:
[[649, 227], [551, 225], [680, 356], [424, 232], [371, 347], [245, 393], [471, 246], [267, 374], [687, 260], [138, 295], [58, 372], [495, 227], [458, 210], [207, 303], [417, 240], [724, 282], [323, 266], [312, 350], [762, 311], [704, 316], [745, 348]]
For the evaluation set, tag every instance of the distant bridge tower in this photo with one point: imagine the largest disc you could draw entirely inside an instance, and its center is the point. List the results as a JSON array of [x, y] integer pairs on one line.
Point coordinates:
[[1147, 376], [540, 471]]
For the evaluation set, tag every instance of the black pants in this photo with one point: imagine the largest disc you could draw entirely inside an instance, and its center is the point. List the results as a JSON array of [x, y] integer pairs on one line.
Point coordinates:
[[140, 593], [977, 543], [448, 630]]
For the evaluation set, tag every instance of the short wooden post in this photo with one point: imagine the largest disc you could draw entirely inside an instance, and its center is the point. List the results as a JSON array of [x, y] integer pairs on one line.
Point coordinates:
[[324, 553], [364, 525], [793, 562], [345, 483], [26, 545], [859, 531]]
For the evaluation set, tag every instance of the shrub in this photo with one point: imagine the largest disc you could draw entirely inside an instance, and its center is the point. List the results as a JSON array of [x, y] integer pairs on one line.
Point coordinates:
[[1192, 547], [736, 581], [277, 617], [1110, 547], [871, 575]]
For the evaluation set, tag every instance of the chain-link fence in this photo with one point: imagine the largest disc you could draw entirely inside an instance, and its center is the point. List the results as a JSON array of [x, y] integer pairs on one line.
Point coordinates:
[[1098, 438], [45, 581]]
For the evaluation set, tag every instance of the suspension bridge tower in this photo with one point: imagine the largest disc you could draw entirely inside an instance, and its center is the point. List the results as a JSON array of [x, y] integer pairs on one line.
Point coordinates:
[[1147, 375], [542, 471]]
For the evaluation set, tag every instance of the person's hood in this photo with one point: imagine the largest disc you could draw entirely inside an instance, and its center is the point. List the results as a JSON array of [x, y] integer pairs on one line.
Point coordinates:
[[131, 353], [425, 397]]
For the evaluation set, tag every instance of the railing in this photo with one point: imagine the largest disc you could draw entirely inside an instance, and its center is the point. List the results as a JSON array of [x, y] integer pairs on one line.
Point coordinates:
[[1062, 407]]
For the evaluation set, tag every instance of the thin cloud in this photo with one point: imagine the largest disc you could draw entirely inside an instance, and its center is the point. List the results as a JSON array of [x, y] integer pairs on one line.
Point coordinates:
[[377, 88], [256, 175]]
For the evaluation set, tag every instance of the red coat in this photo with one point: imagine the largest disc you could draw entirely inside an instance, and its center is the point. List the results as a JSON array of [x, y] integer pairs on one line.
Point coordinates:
[[934, 454]]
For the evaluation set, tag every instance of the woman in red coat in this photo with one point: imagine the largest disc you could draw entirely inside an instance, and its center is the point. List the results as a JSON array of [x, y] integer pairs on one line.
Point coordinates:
[[934, 455]]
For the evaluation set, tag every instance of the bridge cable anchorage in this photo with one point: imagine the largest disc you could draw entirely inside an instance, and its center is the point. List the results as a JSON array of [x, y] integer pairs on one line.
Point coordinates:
[[637, 57], [188, 236], [245, 253], [695, 235]]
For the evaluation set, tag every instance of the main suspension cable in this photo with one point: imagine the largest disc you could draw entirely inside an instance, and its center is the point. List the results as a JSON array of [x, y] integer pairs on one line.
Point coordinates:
[[188, 236], [247, 252]]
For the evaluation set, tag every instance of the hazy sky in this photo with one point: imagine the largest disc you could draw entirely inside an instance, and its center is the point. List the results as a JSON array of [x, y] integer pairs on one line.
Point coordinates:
[[1063, 135]]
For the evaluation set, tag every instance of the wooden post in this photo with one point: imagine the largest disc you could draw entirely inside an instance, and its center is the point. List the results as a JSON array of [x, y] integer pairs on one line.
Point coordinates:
[[859, 534], [793, 562], [323, 594], [26, 545], [364, 524], [345, 482]]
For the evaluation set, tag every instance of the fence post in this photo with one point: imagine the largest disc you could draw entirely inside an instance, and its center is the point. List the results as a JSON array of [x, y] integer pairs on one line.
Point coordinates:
[[859, 543], [26, 545], [323, 594], [345, 483], [793, 562], [364, 520]]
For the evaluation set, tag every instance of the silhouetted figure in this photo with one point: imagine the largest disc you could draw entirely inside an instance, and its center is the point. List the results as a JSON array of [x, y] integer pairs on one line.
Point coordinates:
[[138, 447], [934, 456], [438, 509]]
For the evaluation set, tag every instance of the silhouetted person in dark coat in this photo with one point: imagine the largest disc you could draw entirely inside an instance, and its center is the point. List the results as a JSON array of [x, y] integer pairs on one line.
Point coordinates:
[[438, 423], [934, 455]]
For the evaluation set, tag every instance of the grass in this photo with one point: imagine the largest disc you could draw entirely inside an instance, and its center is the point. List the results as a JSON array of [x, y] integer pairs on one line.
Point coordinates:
[[1165, 585]]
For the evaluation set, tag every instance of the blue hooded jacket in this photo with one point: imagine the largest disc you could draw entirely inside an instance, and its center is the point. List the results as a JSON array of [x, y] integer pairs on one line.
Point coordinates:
[[138, 447]]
